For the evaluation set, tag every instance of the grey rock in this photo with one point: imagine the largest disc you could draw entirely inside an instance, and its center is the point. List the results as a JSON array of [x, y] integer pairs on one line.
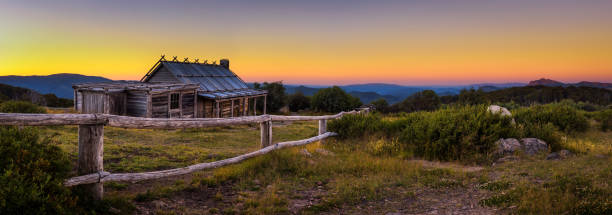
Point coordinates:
[[508, 146], [532, 146], [496, 109], [559, 155], [553, 156]]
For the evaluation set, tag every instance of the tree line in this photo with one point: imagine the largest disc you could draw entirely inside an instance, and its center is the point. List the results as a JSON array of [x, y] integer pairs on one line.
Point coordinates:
[[332, 99], [588, 98]]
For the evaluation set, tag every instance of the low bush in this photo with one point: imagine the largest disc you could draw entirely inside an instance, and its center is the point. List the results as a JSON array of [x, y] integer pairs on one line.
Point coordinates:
[[605, 119], [31, 174], [569, 194], [455, 133], [547, 132], [562, 115], [356, 125], [20, 107], [464, 133]]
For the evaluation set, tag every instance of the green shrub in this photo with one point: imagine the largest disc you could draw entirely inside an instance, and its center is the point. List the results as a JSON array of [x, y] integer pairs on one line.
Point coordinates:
[[356, 125], [455, 133], [31, 174], [563, 116], [465, 133], [20, 107], [605, 119], [546, 132]]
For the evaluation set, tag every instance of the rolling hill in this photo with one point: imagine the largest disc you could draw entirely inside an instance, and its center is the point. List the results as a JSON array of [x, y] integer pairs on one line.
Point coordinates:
[[58, 84], [553, 83]]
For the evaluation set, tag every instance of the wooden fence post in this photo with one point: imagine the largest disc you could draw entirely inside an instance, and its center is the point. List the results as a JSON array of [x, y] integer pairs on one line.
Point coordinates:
[[91, 147], [322, 127], [266, 133]]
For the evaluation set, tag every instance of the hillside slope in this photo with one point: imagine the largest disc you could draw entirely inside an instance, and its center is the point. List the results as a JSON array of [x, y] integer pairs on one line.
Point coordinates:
[[58, 84]]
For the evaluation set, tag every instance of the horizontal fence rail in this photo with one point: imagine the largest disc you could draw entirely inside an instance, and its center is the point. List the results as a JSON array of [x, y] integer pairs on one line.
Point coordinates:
[[91, 133], [102, 176], [140, 122]]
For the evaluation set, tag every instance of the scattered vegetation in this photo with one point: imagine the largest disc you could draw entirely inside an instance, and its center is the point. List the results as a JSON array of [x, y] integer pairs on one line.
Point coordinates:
[[529, 95], [562, 115], [20, 107], [11, 93], [605, 119], [456, 133]]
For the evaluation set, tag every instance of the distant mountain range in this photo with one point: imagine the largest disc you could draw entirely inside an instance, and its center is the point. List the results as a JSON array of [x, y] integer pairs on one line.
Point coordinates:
[[8, 92], [61, 85], [553, 83], [58, 84]]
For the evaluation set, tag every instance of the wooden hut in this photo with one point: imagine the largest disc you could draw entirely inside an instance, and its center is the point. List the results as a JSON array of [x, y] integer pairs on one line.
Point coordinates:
[[221, 93], [162, 100]]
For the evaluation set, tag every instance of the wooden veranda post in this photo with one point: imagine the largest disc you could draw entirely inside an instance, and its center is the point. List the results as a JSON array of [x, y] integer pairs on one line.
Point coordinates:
[[266, 133], [265, 104], [254, 106], [91, 147], [322, 127]]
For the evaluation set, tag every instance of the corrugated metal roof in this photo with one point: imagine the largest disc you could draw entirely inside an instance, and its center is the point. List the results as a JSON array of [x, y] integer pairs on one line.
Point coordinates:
[[231, 94], [216, 81]]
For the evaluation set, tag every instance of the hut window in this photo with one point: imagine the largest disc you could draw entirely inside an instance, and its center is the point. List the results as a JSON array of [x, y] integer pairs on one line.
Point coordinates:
[[174, 101]]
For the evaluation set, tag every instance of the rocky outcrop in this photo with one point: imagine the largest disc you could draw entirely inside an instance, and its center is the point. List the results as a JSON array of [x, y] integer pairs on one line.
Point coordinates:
[[563, 154], [532, 146], [508, 146], [529, 146], [496, 109]]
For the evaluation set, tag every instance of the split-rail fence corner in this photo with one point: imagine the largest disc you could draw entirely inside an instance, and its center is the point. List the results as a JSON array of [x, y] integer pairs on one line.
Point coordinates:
[[91, 134]]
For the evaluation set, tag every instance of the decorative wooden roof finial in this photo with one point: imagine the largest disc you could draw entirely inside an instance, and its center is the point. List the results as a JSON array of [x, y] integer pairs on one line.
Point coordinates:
[[163, 58], [186, 60], [205, 61], [196, 60], [174, 59]]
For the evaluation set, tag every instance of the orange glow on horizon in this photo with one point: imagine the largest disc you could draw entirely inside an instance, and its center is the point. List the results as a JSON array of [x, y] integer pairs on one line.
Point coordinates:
[[301, 50]]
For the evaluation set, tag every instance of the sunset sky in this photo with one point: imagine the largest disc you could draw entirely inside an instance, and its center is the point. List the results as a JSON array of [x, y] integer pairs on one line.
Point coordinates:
[[426, 42]]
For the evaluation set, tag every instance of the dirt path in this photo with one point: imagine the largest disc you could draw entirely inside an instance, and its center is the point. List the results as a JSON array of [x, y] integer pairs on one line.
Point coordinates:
[[448, 165]]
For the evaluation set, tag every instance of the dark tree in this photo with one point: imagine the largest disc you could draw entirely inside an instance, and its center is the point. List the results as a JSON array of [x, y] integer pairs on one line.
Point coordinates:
[[381, 105], [426, 100], [333, 100], [276, 95], [298, 101]]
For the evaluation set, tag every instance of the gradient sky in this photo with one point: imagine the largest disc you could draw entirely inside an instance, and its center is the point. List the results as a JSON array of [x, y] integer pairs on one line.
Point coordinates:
[[426, 42]]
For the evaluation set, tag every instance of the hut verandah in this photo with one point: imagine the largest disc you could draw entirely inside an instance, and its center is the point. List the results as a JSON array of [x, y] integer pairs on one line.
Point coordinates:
[[221, 92], [131, 98]]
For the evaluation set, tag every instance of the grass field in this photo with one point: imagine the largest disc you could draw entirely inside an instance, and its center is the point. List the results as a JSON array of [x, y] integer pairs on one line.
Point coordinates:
[[340, 176]]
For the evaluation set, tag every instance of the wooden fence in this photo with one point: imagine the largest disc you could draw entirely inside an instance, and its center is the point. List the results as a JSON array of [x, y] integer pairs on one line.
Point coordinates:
[[91, 134]]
